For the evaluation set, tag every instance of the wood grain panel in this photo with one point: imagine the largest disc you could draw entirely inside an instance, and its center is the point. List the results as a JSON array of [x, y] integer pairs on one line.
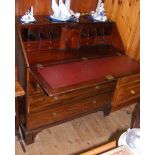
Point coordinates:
[[126, 13], [65, 111], [18, 89], [40, 7], [127, 90], [84, 6], [43, 7]]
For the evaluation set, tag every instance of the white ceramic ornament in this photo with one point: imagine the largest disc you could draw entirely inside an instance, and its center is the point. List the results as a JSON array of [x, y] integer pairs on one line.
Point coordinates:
[[55, 8], [64, 13], [28, 17], [98, 6], [99, 15], [67, 4]]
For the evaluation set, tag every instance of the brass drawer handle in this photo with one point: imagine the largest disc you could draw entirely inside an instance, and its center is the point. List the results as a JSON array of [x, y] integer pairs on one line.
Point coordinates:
[[97, 87], [84, 58], [56, 98], [39, 65], [94, 101], [109, 77], [54, 114], [133, 92]]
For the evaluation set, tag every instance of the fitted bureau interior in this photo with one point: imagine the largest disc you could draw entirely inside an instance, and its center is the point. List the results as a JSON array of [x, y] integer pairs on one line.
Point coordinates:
[[56, 42]]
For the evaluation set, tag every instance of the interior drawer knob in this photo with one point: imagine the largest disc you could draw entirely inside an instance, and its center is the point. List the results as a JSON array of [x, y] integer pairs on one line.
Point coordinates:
[[94, 101], [133, 92]]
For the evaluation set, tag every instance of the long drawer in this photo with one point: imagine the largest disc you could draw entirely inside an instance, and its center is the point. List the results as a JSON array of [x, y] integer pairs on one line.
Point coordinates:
[[69, 110], [127, 89], [40, 101]]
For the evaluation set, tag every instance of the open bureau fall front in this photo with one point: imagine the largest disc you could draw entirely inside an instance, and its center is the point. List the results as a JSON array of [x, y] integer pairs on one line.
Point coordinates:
[[69, 70]]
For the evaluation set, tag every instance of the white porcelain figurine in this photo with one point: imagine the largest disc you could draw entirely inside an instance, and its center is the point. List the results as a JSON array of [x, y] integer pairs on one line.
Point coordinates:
[[28, 17], [98, 5], [64, 13], [55, 8], [100, 12], [60, 12], [31, 11], [67, 4]]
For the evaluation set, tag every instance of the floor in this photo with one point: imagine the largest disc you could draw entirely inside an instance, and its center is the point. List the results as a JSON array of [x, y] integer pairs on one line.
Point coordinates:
[[79, 135]]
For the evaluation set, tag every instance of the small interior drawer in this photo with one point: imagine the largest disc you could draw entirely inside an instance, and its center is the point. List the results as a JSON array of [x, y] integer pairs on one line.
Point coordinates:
[[68, 111]]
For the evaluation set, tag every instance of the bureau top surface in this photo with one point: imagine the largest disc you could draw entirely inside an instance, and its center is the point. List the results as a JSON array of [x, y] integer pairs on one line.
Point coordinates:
[[54, 78], [44, 19]]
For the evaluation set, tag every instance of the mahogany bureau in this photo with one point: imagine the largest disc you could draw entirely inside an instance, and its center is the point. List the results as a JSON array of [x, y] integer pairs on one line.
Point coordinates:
[[71, 69]]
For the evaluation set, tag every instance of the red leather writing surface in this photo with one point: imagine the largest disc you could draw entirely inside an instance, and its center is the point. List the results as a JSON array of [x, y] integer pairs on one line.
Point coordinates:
[[61, 75]]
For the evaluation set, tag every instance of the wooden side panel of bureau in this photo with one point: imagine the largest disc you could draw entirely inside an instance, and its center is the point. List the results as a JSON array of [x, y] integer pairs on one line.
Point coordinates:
[[127, 91]]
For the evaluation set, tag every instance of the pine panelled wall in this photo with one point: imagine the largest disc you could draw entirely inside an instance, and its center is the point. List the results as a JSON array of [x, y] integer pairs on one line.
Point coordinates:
[[126, 13]]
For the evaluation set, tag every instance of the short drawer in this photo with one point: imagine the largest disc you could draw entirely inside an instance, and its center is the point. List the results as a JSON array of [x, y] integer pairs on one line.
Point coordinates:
[[69, 111], [40, 101], [127, 93], [129, 79], [127, 89]]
